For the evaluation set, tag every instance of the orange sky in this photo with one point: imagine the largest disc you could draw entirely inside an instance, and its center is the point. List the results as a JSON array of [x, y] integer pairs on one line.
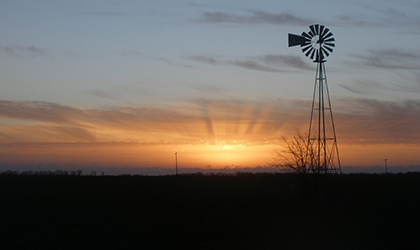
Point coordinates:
[[214, 133], [105, 83]]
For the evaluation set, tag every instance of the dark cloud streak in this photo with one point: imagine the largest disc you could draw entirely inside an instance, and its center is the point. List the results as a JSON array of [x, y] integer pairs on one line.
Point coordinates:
[[253, 65], [253, 17], [22, 51], [135, 54], [387, 59], [265, 63], [101, 94], [107, 13], [286, 60], [204, 59]]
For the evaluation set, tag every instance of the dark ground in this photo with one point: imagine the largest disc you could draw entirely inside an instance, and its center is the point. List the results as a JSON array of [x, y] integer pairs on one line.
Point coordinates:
[[247, 211]]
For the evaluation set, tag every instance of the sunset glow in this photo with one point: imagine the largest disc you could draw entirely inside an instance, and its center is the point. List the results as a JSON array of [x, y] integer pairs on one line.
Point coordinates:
[[229, 136], [129, 84]]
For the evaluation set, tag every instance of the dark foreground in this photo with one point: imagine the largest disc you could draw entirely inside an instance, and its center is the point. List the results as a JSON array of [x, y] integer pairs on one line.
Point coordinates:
[[264, 211]]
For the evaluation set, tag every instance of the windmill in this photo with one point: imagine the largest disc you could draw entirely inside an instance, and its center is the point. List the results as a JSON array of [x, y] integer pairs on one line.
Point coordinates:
[[318, 44]]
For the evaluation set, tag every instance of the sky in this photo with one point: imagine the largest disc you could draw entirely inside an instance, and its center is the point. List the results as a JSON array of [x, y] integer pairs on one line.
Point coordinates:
[[129, 83]]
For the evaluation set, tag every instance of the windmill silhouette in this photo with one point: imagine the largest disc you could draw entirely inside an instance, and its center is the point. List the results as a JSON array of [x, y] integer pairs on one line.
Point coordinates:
[[318, 44]]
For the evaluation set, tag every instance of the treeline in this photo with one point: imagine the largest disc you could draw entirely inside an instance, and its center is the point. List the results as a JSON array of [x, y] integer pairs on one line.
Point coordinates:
[[80, 172], [94, 173], [48, 173]]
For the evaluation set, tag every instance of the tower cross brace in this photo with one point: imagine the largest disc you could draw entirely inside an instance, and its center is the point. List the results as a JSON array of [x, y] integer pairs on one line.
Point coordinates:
[[322, 135]]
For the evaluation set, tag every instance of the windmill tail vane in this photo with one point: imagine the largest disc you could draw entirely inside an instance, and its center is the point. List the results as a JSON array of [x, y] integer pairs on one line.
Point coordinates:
[[316, 44]]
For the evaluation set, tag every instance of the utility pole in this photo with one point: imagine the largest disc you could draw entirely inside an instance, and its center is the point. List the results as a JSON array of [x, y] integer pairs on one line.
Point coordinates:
[[176, 162], [386, 166]]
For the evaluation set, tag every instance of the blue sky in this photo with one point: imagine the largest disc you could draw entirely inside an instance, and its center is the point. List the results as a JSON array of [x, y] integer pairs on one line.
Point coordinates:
[[190, 57], [87, 51]]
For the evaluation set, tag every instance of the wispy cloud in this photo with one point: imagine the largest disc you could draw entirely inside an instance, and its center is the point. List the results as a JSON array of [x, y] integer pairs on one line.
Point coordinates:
[[204, 59], [135, 54], [254, 65], [268, 63], [100, 93], [388, 59], [364, 87], [108, 13], [253, 17], [47, 133], [22, 51], [370, 87], [401, 62], [209, 89], [388, 17], [403, 17], [119, 92], [39, 111], [351, 21], [286, 60]]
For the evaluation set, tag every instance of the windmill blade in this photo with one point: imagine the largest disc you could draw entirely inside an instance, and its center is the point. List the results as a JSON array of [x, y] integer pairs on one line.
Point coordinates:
[[312, 27], [329, 39], [321, 30], [305, 48], [326, 30], [313, 53], [324, 50], [330, 44], [307, 42], [328, 35], [304, 34], [316, 29], [295, 40], [328, 48], [309, 51]]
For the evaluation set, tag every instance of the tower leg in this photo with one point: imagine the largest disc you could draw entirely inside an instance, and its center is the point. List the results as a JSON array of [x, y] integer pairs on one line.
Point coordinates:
[[322, 135]]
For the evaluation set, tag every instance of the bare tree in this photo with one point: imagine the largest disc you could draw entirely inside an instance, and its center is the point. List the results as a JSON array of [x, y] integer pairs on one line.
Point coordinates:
[[297, 154]]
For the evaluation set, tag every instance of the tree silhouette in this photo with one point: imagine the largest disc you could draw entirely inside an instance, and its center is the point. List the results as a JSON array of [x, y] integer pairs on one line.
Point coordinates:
[[297, 155]]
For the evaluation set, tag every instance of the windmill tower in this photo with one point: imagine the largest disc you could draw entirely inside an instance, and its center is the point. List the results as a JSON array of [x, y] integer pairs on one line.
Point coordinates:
[[318, 44]]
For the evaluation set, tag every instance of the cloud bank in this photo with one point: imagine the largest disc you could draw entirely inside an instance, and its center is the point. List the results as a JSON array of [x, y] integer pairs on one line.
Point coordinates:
[[204, 131], [201, 120]]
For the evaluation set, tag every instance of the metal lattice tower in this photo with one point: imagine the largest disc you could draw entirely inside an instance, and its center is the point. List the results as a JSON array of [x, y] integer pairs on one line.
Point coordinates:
[[318, 44]]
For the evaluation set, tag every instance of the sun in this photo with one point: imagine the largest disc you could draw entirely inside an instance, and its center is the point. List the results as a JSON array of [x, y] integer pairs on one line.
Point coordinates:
[[220, 154]]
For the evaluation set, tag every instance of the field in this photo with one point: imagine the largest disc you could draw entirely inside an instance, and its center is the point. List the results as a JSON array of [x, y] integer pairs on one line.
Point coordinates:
[[242, 211]]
